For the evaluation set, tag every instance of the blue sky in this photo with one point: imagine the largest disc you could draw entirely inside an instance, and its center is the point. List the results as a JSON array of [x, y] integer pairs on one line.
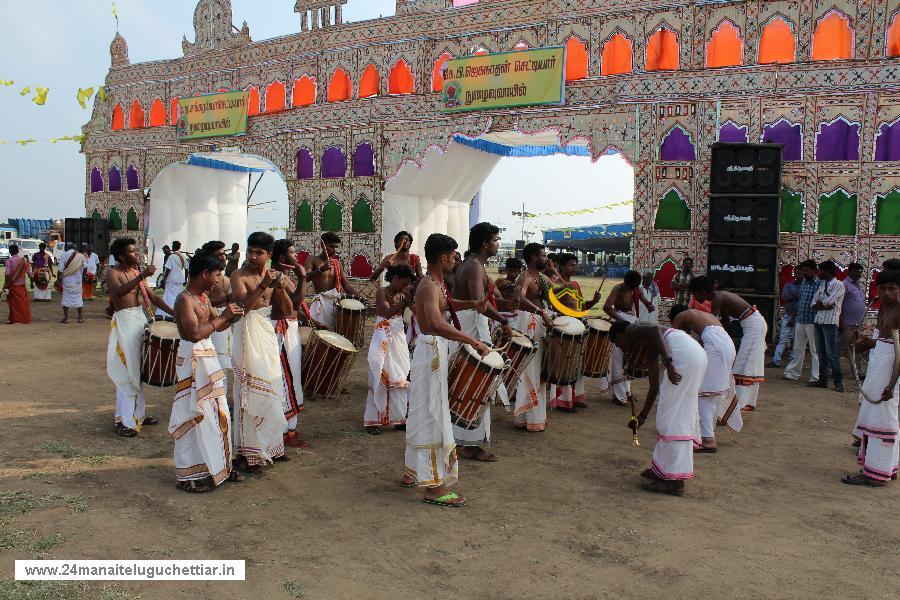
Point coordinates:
[[64, 45]]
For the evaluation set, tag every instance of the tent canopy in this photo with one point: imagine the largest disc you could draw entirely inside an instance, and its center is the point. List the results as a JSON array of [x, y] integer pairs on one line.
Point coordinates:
[[613, 237]]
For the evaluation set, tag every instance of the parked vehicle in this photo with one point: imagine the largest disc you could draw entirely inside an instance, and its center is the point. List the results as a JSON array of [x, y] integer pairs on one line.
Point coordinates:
[[4, 253], [27, 248]]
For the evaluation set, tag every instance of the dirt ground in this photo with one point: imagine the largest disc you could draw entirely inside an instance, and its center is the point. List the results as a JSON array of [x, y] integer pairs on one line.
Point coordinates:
[[561, 515]]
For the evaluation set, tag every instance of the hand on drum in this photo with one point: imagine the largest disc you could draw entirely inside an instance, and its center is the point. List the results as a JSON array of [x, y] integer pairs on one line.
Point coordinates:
[[548, 322], [231, 311], [482, 348], [674, 376]]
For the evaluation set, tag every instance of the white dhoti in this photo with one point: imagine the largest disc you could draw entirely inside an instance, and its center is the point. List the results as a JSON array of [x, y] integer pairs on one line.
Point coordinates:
[[173, 288], [430, 447], [41, 294], [259, 422], [123, 364], [565, 396], [530, 411], [322, 307], [290, 353], [388, 397], [476, 325], [621, 385], [199, 421], [877, 424], [750, 363], [676, 409], [71, 294], [717, 387], [221, 340]]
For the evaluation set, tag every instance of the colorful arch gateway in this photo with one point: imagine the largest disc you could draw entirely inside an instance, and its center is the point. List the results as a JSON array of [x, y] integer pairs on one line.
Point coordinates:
[[349, 113]]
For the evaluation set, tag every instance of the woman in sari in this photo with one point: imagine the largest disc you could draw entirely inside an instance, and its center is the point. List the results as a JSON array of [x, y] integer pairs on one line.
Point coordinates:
[[17, 267]]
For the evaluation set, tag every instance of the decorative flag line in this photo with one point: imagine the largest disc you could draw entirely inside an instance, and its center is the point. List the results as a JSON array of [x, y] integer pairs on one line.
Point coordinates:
[[82, 95], [65, 138], [581, 211]]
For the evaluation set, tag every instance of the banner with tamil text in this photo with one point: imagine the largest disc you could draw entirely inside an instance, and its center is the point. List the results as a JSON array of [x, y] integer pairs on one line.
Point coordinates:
[[212, 115], [504, 80]]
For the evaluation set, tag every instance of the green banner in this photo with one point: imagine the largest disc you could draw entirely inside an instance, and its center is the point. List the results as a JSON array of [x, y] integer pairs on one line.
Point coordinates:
[[212, 115], [503, 80]]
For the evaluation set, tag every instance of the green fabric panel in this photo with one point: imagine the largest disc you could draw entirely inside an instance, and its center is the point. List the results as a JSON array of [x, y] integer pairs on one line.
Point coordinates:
[[791, 211], [362, 217], [332, 219], [304, 217], [96, 214], [131, 220], [887, 214], [673, 213], [115, 219], [837, 214]]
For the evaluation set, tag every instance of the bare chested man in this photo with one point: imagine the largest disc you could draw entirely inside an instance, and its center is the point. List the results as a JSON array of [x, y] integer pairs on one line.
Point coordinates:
[[506, 284], [328, 279], [219, 296], [717, 387], [402, 243], [130, 297], [430, 447], [622, 305], [749, 364]]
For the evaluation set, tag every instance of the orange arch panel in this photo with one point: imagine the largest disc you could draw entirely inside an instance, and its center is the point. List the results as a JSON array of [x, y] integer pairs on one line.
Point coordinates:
[[401, 81], [662, 51], [157, 113], [833, 39], [725, 47], [617, 56], [276, 97], [339, 88], [173, 112], [437, 79], [136, 116], [304, 92], [370, 82], [777, 43], [576, 59], [893, 37], [118, 117], [252, 101]]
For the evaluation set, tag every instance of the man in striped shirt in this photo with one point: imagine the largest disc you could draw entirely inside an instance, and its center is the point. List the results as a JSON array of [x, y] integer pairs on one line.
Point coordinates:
[[827, 303], [805, 328]]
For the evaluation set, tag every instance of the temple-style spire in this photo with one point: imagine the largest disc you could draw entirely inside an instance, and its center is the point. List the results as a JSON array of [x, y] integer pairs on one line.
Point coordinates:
[[213, 28], [118, 51], [315, 14]]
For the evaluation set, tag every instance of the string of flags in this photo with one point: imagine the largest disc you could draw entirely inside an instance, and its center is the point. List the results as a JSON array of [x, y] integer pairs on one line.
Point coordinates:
[[581, 211], [40, 93], [27, 141]]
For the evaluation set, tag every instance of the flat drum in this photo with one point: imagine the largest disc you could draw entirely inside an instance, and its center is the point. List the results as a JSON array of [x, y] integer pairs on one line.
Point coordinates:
[[562, 353], [350, 319], [637, 365], [520, 352], [327, 361], [597, 348], [158, 352], [305, 335], [473, 384]]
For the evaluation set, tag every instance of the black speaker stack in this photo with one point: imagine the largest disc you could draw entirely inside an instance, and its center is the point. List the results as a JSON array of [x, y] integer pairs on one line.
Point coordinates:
[[94, 232], [744, 210]]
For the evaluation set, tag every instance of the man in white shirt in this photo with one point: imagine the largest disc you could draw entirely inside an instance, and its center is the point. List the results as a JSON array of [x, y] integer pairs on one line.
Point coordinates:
[[173, 276], [91, 264], [827, 303]]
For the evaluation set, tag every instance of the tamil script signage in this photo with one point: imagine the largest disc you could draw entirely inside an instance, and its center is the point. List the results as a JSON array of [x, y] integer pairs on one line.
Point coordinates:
[[504, 80], [212, 115]]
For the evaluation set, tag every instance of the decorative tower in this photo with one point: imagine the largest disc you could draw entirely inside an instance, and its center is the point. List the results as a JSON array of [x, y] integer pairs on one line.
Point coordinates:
[[213, 28], [118, 52], [315, 14]]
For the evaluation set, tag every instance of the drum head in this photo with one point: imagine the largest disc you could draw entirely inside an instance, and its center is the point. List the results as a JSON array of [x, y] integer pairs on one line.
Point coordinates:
[[599, 324], [164, 330], [568, 325], [335, 339], [351, 304], [305, 334], [520, 339], [494, 360]]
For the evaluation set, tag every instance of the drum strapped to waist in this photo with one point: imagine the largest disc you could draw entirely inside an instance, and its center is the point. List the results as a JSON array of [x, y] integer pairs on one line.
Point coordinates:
[[473, 384], [327, 361], [637, 364], [562, 351], [520, 349], [597, 348], [305, 335], [350, 319], [158, 352]]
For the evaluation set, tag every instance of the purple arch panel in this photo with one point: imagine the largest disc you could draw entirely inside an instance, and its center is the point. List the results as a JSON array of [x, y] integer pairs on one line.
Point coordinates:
[[838, 141], [334, 163], [887, 142], [96, 180], [364, 161], [677, 146], [304, 164], [732, 134], [787, 134], [132, 181], [115, 180]]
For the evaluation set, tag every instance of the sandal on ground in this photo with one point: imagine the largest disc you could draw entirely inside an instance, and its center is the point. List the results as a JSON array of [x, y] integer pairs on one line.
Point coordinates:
[[649, 474], [451, 500], [705, 450], [404, 484], [235, 476], [192, 487], [293, 440], [481, 455], [862, 480], [125, 431], [372, 430], [856, 442], [149, 421], [618, 402], [673, 488]]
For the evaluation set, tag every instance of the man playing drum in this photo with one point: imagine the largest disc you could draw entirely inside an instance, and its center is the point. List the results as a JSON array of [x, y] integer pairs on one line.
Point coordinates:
[[388, 397], [676, 413], [623, 304], [259, 422], [473, 283], [41, 272], [402, 243], [430, 448], [506, 284], [200, 423], [91, 266], [130, 298], [328, 279], [284, 319], [533, 320], [717, 387], [750, 362]]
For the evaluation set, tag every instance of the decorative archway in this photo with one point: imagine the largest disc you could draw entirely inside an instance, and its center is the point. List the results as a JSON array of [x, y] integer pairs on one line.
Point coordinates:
[[370, 82], [833, 38], [340, 87], [662, 51], [777, 43], [304, 93], [617, 56], [576, 59], [725, 47], [400, 80]]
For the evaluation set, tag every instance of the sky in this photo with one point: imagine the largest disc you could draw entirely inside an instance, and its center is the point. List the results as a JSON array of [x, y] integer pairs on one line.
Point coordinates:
[[64, 45]]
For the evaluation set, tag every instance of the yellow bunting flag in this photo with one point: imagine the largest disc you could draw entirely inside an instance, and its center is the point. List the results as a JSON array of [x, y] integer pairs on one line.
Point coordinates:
[[40, 97], [25, 90], [7, 82], [84, 95], [25, 142], [101, 93]]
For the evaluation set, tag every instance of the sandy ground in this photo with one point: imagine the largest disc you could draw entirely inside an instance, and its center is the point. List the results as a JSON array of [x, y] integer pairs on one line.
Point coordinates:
[[561, 515]]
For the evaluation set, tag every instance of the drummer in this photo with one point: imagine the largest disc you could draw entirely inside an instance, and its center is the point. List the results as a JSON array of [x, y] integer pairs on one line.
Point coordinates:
[[328, 279], [623, 304], [506, 284], [551, 271], [472, 283], [130, 297], [569, 397], [219, 297], [402, 243]]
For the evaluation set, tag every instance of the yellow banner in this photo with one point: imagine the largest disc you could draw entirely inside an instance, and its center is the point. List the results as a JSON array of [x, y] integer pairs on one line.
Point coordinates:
[[212, 115], [504, 80]]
